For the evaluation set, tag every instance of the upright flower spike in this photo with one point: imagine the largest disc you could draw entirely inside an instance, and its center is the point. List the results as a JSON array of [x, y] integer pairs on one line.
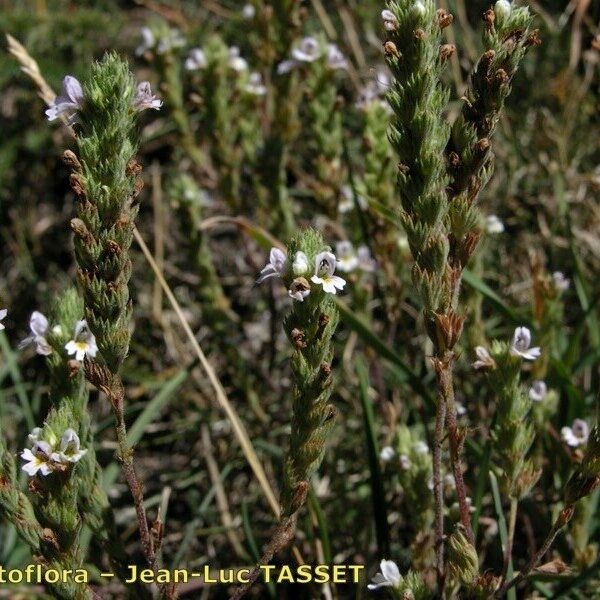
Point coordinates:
[[106, 181], [310, 327], [419, 134], [507, 36]]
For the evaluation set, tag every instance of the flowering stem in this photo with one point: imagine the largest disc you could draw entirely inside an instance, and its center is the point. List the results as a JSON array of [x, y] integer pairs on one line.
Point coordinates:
[[438, 491], [512, 521], [563, 518]]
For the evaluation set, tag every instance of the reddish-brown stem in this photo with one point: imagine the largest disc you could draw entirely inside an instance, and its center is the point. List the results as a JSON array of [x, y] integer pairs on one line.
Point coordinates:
[[438, 491]]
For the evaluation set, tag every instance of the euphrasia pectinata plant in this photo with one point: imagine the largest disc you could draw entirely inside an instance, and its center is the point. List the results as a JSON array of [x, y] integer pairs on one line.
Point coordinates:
[[308, 271], [106, 181], [438, 194]]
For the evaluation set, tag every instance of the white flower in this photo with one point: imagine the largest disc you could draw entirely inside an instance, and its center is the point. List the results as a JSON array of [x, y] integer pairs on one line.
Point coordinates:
[[389, 20], [484, 360], [248, 11], [347, 260], [420, 447], [335, 58], [275, 267], [3, 314], [144, 98], [538, 391], [460, 409], [502, 9], [561, 283], [449, 482], [286, 66], [365, 261], [38, 459], [83, 342], [300, 266], [389, 576], [148, 41], [236, 62], [195, 60], [405, 462], [324, 273], [173, 40], [520, 345], [308, 50], [299, 289], [493, 224], [38, 325], [418, 9], [577, 434], [34, 436], [255, 85], [70, 447], [387, 453], [346, 204], [69, 102]]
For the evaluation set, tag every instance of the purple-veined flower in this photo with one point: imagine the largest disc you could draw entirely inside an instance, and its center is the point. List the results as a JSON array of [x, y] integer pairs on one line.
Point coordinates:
[[325, 264], [521, 343], [69, 102]]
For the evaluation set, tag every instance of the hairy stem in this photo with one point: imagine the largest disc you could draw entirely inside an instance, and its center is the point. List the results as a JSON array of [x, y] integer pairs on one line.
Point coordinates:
[[563, 518]]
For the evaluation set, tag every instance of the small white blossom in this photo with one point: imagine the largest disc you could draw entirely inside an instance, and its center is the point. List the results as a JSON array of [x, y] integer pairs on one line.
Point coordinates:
[[299, 289], [275, 267], [502, 9], [300, 266], [35, 435], [365, 261], [236, 62], [418, 9], [484, 360], [405, 462], [346, 204], [347, 260], [521, 343], [335, 58], [460, 409], [144, 98], [538, 390], [390, 22], [3, 314], [561, 283], [388, 576], [39, 459], [83, 343], [255, 85], [325, 263], [195, 60], [38, 325], [307, 51], [248, 11], [387, 454], [449, 482], [286, 66], [420, 447], [577, 434], [171, 41], [70, 447], [69, 102], [148, 41], [493, 224]]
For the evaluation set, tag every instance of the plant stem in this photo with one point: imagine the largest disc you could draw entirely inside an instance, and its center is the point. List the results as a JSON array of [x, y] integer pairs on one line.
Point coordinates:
[[438, 492], [563, 518], [512, 521]]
